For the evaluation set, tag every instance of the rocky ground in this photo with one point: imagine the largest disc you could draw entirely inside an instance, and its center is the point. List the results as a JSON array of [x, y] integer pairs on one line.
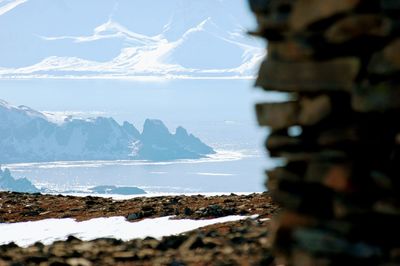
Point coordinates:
[[235, 243], [17, 207]]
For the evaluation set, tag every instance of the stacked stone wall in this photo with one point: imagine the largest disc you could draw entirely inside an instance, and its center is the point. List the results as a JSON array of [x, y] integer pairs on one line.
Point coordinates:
[[338, 133]]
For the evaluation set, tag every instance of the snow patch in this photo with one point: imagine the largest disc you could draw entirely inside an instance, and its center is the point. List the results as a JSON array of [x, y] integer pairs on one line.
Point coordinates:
[[51, 230]]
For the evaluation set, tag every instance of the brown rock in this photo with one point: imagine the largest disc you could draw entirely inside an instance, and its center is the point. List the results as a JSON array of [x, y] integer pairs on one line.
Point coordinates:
[[395, 254], [386, 207], [290, 219], [297, 156], [331, 175], [344, 209], [334, 75], [391, 52], [328, 154], [289, 50], [277, 142], [272, 15], [306, 12], [286, 199], [336, 136], [308, 112], [308, 259], [355, 26], [381, 97], [124, 255], [267, 24], [277, 115], [279, 173], [313, 110], [267, 7], [78, 262], [390, 5], [382, 180], [386, 61]]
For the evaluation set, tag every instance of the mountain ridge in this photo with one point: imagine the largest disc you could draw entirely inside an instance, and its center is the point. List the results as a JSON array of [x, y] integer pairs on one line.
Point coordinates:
[[27, 135], [206, 44]]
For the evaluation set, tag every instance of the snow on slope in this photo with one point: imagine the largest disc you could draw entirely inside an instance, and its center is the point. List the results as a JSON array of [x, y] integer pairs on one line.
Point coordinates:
[[197, 39], [51, 230]]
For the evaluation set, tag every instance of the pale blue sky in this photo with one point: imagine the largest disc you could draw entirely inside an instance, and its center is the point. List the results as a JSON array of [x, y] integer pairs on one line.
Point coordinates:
[[132, 39], [203, 31]]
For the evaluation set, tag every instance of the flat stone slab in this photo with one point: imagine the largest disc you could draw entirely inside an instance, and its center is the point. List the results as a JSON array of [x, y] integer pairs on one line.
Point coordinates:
[[381, 97], [386, 61], [356, 26], [306, 12], [277, 115], [290, 50], [333, 75], [390, 5]]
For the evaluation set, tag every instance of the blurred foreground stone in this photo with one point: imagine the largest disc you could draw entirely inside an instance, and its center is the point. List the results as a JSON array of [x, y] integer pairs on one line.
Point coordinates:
[[339, 63]]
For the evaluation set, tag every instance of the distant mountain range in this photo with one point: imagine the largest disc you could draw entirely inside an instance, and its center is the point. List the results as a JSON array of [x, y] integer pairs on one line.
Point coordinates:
[[127, 39], [27, 135]]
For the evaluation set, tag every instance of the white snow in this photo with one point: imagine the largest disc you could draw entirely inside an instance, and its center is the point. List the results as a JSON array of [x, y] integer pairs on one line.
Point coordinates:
[[7, 5], [50, 230], [108, 30], [59, 117], [144, 57], [214, 174]]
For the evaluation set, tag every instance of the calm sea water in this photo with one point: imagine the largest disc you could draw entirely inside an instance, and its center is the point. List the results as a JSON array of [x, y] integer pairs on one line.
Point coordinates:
[[225, 172], [220, 112]]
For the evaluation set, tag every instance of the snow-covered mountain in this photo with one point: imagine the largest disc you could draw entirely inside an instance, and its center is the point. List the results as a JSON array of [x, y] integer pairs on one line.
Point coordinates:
[[126, 39], [27, 135]]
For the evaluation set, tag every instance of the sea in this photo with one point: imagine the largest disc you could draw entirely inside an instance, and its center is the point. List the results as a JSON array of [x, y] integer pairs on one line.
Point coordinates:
[[219, 112]]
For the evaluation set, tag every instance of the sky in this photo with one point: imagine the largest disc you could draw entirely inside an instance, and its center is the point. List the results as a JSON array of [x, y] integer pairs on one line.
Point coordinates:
[[127, 39], [189, 63], [175, 60], [130, 59]]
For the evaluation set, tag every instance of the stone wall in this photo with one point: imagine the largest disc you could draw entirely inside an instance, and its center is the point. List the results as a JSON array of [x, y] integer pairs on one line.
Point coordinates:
[[338, 133]]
